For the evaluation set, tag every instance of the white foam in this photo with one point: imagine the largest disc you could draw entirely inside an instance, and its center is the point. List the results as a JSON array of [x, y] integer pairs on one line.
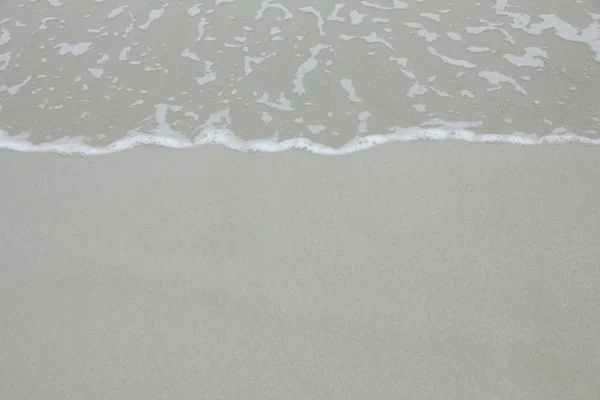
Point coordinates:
[[533, 57], [136, 103], [96, 72], [186, 53], [209, 74], [373, 38], [429, 36], [4, 36], [317, 128], [334, 16], [478, 49], [194, 10], [74, 49], [265, 117], [317, 14], [4, 60], [397, 5], [496, 78], [12, 90], [248, 61], [348, 86], [116, 12], [356, 17], [363, 118], [307, 66], [562, 29], [282, 103], [267, 4], [226, 138], [451, 61], [201, 28], [431, 16], [153, 16]]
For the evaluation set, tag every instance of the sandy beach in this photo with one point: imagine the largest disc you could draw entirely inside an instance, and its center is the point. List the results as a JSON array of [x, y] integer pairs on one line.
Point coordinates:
[[287, 200], [423, 270]]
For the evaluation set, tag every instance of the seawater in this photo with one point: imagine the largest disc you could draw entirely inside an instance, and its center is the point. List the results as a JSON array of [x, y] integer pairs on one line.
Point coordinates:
[[94, 77]]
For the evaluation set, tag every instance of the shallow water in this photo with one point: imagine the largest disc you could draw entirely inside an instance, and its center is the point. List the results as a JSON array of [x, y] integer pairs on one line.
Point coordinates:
[[330, 77]]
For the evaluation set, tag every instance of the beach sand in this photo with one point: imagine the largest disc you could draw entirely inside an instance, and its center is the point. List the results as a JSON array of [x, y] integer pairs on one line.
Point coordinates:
[[421, 270], [427, 270]]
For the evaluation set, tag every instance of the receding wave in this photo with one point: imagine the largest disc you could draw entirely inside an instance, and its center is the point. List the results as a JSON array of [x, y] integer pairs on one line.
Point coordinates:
[[264, 75]]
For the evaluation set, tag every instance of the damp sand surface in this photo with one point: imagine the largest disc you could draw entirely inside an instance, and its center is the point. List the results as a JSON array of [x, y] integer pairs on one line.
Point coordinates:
[[417, 270]]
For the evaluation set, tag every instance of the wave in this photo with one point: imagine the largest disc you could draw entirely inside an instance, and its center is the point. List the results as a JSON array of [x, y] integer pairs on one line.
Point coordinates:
[[228, 139]]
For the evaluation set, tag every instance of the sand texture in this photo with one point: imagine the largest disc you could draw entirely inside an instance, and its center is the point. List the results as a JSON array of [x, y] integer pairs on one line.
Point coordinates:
[[423, 270]]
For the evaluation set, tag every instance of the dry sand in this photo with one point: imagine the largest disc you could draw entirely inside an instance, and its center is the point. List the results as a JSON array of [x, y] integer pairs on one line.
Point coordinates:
[[422, 270]]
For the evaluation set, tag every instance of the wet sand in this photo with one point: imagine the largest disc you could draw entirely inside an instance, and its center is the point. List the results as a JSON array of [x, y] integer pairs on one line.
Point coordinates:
[[417, 270], [422, 270]]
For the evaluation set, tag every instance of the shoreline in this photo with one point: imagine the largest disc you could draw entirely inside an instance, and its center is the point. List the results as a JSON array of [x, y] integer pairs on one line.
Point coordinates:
[[77, 146]]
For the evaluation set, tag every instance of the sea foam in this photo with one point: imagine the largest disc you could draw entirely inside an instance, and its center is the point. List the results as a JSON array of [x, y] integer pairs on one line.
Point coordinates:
[[227, 139], [325, 78]]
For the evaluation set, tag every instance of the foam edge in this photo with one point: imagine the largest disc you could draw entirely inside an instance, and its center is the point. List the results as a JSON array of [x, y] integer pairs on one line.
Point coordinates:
[[227, 139]]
